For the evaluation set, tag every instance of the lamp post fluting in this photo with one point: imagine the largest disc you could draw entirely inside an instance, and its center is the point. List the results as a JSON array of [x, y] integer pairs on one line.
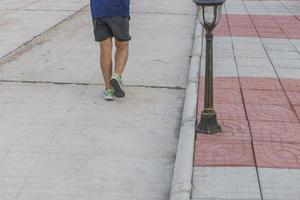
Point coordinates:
[[209, 15]]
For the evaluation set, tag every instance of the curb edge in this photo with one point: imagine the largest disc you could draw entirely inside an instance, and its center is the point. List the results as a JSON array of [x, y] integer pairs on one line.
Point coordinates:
[[181, 187]]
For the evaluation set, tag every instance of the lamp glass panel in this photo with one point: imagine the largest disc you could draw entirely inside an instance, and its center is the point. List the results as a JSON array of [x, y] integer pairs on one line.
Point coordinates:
[[201, 15], [219, 13], [209, 14]]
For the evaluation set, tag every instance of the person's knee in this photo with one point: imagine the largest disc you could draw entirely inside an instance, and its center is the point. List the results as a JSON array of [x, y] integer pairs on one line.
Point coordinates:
[[121, 45], [106, 45]]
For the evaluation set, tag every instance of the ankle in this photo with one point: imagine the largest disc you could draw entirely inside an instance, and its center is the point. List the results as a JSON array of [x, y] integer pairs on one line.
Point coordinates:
[[108, 88], [117, 74]]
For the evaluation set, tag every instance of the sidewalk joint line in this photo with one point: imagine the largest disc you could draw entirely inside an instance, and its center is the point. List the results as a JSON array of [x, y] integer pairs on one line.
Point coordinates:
[[157, 87], [91, 84], [243, 100]]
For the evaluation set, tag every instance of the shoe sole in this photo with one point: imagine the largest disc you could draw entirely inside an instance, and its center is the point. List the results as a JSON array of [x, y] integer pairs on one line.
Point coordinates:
[[118, 90], [108, 99]]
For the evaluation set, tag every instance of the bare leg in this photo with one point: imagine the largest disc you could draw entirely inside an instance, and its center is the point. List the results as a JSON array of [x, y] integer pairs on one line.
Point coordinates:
[[106, 61], [121, 56]]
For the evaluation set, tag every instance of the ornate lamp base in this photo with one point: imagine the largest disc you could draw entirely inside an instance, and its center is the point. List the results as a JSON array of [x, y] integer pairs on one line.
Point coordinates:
[[208, 123]]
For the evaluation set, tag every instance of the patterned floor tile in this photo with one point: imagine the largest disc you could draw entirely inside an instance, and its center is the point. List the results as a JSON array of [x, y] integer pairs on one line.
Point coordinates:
[[277, 155], [222, 29], [290, 25], [286, 63], [270, 97], [274, 123], [274, 44], [254, 83], [225, 111], [269, 33], [259, 25], [290, 84], [297, 110], [254, 51], [267, 27], [272, 113], [240, 22], [226, 83], [290, 73], [257, 72], [223, 96], [230, 112], [225, 183], [275, 131], [223, 153], [279, 184], [294, 97], [252, 62], [231, 131]]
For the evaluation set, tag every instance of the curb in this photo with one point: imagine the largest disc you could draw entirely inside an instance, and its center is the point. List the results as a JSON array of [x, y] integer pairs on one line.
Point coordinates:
[[181, 188]]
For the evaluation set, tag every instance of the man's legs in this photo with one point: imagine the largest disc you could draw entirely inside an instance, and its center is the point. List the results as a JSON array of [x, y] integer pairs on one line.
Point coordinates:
[[121, 56], [106, 61]]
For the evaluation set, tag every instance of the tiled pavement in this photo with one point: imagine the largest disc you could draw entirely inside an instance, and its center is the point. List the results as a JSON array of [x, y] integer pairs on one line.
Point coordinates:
[[257, 100]]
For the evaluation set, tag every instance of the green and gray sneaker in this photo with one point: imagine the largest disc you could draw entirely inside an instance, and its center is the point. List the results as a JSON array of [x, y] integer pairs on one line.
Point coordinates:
[[108, 95], [116, 83]]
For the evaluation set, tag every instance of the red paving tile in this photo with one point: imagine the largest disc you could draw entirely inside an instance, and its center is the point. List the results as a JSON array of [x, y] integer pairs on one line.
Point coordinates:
[[270, 97], [297, 110], [253, 83], [226, 83], [289, 26], [240, 21], [228, 102], [272, 34], [264, 22], [277, 155], [294, 97], [271, 113], [275, 131], [291, 84], [293, 35], [241, 31], [224, 96], [230, 111], [223, 153], [265, 26], [222, 29], [287, 21], [226, 111], [232, 130], [274, 125]]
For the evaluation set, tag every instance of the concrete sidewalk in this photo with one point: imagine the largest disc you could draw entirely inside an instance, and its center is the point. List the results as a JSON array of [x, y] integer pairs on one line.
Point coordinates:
[[21, 21], [257, 99], [59, 139]]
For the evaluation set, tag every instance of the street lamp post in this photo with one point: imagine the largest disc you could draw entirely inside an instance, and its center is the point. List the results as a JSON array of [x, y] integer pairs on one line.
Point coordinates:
[[209, 15]]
